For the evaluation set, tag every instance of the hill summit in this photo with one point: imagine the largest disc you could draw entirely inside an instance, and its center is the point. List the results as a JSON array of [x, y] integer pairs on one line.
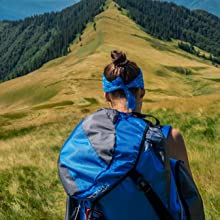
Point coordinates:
[[26, 45]]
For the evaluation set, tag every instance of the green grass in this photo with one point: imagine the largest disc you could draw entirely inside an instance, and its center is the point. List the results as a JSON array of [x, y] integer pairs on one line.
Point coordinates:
[[32, 94], [148, 100], [15, 115], [8, 134], [197, 68], [52, 105], [167, 47], [180, 70], [5, 119], [161, 73], [90, 47], [92, 101], [31, 189], [28, 192], [142, 37], [161, 91], [19, 132], [215, 80], [156, 44]]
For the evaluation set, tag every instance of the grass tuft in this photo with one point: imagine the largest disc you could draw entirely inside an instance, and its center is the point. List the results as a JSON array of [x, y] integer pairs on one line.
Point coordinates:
[[92, 101], [180, 70], [15, 115], [8, 134], [52, 105]]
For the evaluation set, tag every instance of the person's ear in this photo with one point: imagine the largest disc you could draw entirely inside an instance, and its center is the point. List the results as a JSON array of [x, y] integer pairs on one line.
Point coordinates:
[[142, 93], [107, 96]]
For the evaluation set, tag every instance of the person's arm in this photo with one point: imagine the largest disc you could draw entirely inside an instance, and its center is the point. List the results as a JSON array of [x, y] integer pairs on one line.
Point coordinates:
[[177, 147]]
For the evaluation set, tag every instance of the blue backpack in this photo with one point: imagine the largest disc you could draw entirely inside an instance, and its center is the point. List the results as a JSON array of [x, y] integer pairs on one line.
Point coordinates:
[[115, 166]]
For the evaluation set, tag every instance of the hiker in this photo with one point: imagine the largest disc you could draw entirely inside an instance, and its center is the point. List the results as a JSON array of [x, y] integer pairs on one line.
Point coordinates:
[[128, 71], [119, 165]]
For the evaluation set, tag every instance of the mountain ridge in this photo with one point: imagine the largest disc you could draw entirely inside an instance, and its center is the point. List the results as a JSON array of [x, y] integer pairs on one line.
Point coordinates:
[[26, 45]]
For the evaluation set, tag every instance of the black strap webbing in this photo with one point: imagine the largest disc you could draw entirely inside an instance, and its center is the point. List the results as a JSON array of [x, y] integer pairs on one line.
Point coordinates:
[[72, 209], [152, 197]]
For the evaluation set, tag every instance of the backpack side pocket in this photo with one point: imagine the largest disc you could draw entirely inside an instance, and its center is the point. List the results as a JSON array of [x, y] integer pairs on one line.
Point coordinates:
[[188, 193]]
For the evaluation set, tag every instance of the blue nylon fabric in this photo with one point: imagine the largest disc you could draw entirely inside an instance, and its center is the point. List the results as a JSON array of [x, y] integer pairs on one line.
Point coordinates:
[[128, 140], [118, 83], [173, 188], [166, 130], [132, 205], [174, 205], [127, 147], [91, 174], [152, 169], [126, 152], [82, 168], [124, 207]]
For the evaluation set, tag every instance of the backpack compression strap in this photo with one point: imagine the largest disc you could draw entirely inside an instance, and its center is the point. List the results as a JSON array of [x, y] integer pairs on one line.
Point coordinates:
[[72, 209], [152, 197]]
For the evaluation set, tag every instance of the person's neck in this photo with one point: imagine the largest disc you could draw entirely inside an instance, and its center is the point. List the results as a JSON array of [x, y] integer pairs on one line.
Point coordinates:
[[121, 107], [125, 110]]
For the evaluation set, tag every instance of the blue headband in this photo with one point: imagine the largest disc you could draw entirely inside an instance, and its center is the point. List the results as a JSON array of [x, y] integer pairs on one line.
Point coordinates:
[[118, 83]]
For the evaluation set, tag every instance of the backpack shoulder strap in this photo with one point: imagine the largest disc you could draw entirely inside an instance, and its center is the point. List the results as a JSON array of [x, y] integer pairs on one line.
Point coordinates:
[[142, 183], [152, 197]]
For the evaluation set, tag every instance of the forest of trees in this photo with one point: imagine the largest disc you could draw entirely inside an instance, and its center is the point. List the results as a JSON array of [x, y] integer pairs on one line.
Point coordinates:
[[191, 49], [167, 20], [27, 44]]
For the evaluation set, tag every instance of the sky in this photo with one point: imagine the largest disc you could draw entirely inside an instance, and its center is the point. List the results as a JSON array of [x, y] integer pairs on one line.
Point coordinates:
[[19, 9], [212, 6]]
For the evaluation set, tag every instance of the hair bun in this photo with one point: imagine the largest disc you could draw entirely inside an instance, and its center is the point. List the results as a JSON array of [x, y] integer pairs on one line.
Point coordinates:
[[119, 58]]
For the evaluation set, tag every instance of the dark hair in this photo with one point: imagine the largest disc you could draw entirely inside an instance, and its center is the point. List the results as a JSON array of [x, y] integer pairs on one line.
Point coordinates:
[[122, 67]]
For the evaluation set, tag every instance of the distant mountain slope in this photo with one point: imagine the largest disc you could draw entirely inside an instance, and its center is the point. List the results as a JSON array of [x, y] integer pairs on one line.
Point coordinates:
[[167, 20], [212, 6], [174, 72], [26, 45], [14, 9]]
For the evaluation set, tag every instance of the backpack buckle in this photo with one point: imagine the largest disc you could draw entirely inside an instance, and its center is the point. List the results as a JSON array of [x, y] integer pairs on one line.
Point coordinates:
[[93, 215], [143, 186]]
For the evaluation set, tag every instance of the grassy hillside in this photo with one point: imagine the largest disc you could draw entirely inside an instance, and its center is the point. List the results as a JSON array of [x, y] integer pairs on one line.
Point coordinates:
[[38, 112], [26, 45]]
